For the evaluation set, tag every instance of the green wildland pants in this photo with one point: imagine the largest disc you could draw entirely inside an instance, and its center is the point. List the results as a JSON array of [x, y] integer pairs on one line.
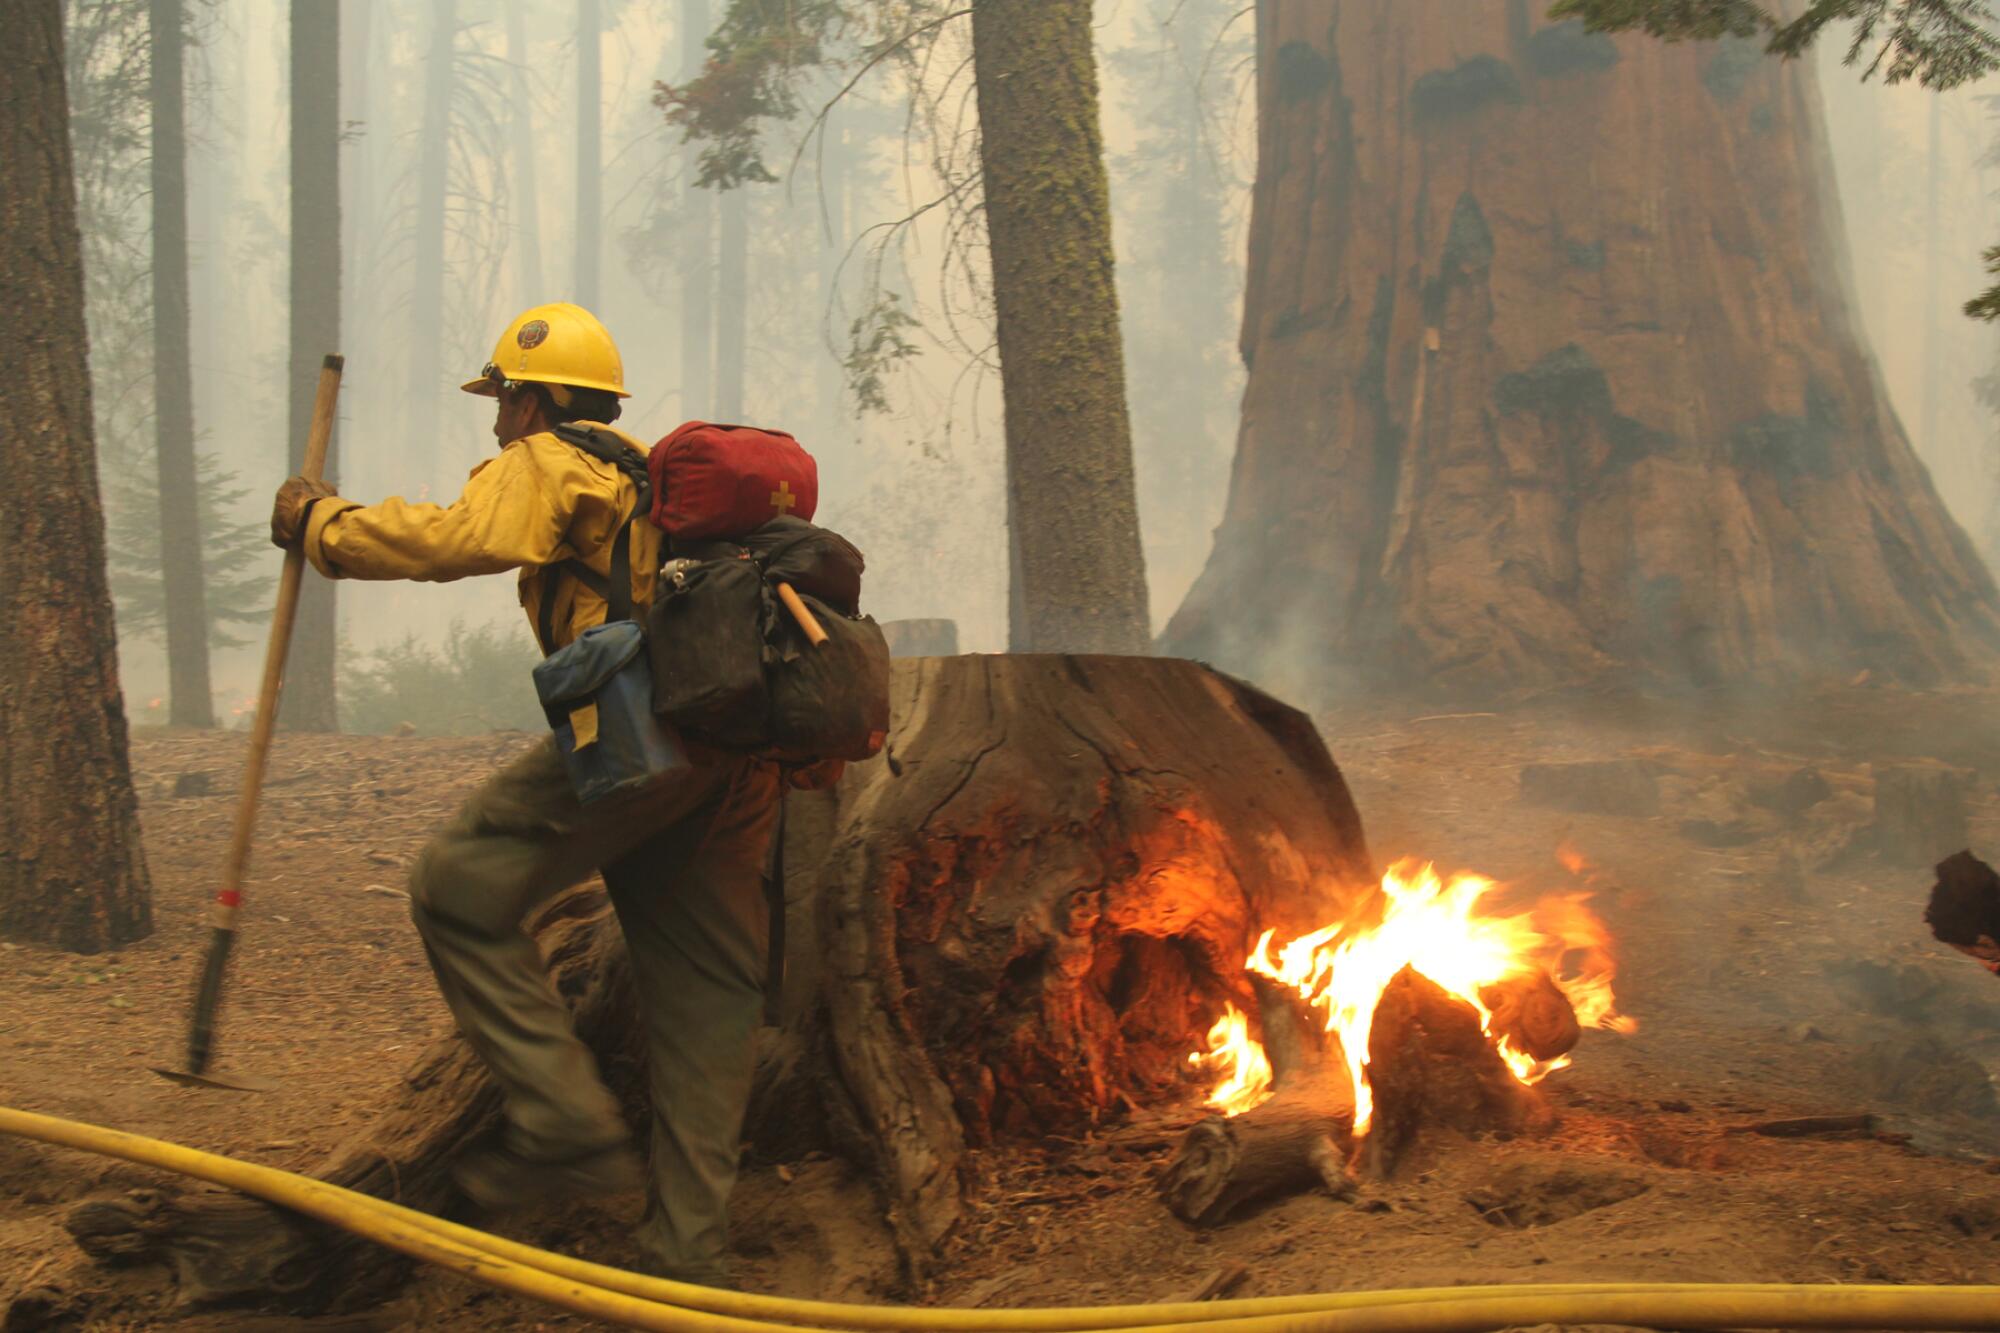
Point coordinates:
[[685, 863]]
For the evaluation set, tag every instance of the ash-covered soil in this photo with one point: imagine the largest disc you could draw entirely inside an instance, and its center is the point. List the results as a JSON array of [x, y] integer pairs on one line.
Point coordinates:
[[1775, 958]]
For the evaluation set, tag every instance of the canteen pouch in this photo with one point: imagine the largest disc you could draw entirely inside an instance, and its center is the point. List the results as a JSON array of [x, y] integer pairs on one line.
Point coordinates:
[[597, 695], [830, 702], [706, 633]]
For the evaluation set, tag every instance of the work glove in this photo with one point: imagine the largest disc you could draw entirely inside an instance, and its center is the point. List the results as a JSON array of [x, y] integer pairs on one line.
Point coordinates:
[[288, 511]]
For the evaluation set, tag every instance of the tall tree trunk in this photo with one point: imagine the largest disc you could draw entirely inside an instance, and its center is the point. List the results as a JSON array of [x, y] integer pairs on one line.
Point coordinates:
[[697, 247], [733, 305], [1529, 407], [589, 140], [72, 871], [1072, 507], [527, 189], [427, 382], [309, 702], [189, 703]]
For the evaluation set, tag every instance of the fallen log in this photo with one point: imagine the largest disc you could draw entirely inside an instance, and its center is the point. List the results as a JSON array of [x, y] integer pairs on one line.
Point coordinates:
[[1282, 1147], [1298, 1140]]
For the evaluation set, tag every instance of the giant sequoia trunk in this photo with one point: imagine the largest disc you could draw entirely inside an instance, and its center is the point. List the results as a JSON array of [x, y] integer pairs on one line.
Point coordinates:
[[1552, 376], [1016, 922], [72, 873], [183, 600], [1080, 579], [309, 703]]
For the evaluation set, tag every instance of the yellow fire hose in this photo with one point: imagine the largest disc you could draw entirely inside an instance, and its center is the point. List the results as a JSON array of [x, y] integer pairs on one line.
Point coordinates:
[[636, 1301]]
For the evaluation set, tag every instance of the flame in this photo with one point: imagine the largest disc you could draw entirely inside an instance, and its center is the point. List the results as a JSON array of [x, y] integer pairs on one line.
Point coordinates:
[[1245, 1070], [1437, 927]]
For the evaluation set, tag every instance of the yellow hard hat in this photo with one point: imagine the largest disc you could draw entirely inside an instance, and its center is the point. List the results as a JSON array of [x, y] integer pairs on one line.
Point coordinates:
[[562, 345]]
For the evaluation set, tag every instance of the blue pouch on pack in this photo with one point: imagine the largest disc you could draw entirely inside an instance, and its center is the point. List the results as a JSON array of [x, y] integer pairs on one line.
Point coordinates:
[[597, 694]]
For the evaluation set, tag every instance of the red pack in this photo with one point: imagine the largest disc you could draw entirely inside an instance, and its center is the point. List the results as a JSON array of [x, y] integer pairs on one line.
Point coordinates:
[[728, 481]]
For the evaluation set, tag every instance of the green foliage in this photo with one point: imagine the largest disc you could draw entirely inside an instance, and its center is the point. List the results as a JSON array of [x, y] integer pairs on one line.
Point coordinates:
[[763, 58], [753, 75], [1986, 305], [236, 557], [481, 680], [877, 346], [1939, 43]]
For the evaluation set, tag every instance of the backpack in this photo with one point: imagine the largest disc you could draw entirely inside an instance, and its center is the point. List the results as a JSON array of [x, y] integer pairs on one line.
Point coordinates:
[[711, 481], [733, 666], [731, 663]]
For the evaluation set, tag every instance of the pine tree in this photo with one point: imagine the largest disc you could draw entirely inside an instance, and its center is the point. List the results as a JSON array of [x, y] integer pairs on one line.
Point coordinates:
[[236, 558], [1079, 573], [72, 869], [185, 608]]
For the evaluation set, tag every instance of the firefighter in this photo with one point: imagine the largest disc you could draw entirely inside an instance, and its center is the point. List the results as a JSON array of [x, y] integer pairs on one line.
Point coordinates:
[[684, 859]]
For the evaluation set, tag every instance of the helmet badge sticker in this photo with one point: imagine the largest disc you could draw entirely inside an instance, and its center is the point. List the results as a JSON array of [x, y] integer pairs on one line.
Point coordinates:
[[533, 333]]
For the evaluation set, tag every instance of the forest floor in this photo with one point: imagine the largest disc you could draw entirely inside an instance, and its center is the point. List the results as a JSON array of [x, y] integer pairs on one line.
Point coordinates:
[[1775, 970]]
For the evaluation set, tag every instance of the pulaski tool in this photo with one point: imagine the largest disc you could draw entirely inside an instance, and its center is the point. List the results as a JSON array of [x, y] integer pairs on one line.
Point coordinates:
[[229, 899]]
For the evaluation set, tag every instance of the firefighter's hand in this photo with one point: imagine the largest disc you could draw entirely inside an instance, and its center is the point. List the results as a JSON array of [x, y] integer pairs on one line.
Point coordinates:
[[815, 777], [289, 510]]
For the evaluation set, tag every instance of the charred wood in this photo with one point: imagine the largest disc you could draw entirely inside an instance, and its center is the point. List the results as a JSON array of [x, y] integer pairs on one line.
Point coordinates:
[[1430, 1064], [1532, 1012]]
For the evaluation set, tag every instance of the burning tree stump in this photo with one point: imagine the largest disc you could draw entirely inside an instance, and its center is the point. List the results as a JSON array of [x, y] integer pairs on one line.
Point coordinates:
[[1017, 921]]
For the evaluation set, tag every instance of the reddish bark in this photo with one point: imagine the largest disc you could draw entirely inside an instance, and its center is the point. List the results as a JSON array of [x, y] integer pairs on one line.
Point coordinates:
[[1554, 376]]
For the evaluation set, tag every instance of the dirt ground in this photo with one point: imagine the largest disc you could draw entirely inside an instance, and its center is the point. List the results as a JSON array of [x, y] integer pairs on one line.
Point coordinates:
[[1777, 968]]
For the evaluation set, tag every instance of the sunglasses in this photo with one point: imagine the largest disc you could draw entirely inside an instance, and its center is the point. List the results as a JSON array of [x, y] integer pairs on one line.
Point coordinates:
[[492, 373]]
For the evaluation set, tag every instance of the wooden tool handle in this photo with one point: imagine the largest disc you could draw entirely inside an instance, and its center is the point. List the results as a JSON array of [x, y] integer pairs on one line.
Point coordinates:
[[814, 631], [230, 897]]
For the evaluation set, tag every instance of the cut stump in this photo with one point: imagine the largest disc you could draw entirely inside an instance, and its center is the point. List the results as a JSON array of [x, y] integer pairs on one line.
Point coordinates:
[[1017, 921]]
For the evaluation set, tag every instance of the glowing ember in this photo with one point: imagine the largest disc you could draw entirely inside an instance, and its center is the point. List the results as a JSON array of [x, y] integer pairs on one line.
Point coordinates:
[[1436, 927]]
